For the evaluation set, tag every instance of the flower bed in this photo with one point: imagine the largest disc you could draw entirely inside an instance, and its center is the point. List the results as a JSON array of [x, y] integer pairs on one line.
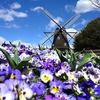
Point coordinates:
[[48, 74]]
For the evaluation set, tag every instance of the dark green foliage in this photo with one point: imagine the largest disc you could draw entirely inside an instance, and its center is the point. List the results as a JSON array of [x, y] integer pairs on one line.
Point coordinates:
[[89, 37]]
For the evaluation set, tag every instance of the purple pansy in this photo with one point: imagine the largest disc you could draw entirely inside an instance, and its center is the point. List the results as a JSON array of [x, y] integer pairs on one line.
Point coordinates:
[[4, 71], [5, 93], [16, 74], [38, 88], [50, 97], [46, 75], [56, 86], [65, 66], [24, 91], [97, 90]]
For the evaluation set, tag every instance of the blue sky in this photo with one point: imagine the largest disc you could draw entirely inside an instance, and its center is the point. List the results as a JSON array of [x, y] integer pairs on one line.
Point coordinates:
[[23, 20]]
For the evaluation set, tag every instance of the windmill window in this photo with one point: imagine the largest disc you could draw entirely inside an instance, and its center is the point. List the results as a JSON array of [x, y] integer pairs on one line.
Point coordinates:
[[58, 38], [65, 44]]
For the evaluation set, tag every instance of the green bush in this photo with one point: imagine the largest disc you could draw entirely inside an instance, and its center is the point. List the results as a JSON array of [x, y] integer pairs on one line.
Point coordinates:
[[89, 37]]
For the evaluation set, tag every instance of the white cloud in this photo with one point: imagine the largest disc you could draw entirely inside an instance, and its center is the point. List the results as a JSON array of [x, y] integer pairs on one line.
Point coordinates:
[[17, 41], [2, 40], [37, 9], [69, 7], [83, 6], [12, 26], [15, 5], [5, 16], [16, 14], [83, 22], [72, 32], [24, 43], [10, 14], [52, 25]]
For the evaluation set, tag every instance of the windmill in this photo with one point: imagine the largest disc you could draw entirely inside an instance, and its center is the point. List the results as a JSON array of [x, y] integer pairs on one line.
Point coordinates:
[[60, 40]]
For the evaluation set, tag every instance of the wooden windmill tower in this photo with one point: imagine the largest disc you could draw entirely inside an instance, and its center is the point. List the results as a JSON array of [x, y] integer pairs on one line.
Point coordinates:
[[60, 40]]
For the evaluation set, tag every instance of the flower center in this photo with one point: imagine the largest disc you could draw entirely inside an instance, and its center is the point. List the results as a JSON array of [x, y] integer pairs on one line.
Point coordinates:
[[65, 66], [71, 77], [46, 78], [21, 94], [12, 76], [55, 89]]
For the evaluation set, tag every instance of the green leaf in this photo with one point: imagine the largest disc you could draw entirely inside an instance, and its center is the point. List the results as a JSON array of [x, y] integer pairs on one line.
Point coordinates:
[[40, 47], [62, 58], [24, 62], [35, 79], [9, 59], [73, 62], [97, 61], [19, 44], [78, 53], [66, 51], [86, 58], [16, 57], [13, 45], [80, 80]]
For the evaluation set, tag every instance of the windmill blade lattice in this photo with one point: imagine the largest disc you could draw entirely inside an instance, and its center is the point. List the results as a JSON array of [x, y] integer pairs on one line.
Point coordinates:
[[51, 17], [71, 21], [48, 37], [72, 36], [68, 33]]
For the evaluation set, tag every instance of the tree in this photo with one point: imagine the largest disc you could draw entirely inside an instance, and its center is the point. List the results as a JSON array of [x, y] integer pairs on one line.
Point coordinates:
[[89, 37], [95, 3]]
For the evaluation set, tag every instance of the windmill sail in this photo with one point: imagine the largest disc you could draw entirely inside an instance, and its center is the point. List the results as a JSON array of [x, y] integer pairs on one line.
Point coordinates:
[[51, 17], [71, 21], [46, 38]]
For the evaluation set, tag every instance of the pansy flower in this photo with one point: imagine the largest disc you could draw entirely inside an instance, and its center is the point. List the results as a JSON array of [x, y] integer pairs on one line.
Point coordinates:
[[80, 57], [15, 74], [82, 98], [13, 85], [56, 86], [60, 72], [50, 97], [85, 87], [65, 66], [5, 93], [24, 91], [23, 56], [51, 54], [76, 88], [22, 46], [28, 75], [97, 90], [72, 76], [62, 96], [4, 71], [38, 88], [46, 76]]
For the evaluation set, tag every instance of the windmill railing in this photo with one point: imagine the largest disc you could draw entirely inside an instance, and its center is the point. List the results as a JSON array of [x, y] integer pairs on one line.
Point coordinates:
[[96, 51]]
